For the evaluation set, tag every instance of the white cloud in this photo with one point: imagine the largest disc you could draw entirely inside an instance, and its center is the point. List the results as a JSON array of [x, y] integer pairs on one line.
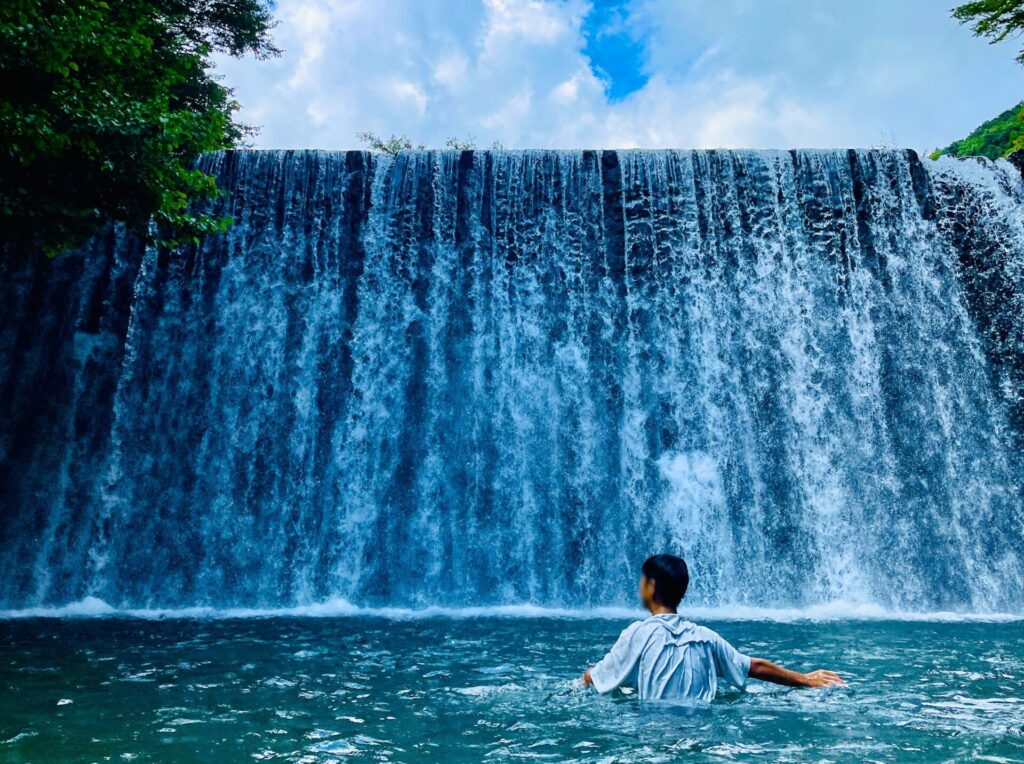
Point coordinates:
[[534, 21], [513, 110], [567, 92], [730, 73], [452, 71], [316, 114], [410, 93]]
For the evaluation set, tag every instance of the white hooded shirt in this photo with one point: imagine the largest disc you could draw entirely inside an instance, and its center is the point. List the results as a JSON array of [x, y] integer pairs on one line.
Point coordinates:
[[667, 657]]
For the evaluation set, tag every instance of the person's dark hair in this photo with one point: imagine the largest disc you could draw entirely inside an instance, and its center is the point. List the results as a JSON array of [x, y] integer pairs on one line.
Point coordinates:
[[670, 576]]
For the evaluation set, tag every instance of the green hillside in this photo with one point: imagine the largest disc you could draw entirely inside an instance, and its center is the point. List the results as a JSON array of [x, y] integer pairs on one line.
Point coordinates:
[[996, 138]]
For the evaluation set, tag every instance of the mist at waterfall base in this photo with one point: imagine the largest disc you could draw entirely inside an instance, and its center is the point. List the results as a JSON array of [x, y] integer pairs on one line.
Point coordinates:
[[371, 475]]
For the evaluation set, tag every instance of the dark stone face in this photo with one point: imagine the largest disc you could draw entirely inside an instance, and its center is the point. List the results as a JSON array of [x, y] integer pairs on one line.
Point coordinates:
[[474, 378]]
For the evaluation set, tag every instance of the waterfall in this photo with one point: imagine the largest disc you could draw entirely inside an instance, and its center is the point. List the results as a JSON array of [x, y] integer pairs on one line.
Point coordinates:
[[463, 378]]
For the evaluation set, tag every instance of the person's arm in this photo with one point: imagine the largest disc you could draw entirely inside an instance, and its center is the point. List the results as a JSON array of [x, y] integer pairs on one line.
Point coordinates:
[[767, 671], [618, 667]]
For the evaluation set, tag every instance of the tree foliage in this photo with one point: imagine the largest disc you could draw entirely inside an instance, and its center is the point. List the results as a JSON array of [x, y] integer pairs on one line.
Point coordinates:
[[460, 144], [996, 138], [104, 107], [995, 19], [391, 145], [397, 143]]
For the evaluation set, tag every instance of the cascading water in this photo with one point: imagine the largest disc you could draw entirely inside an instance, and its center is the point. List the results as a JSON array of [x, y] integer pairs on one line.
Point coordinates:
[[495, 377]]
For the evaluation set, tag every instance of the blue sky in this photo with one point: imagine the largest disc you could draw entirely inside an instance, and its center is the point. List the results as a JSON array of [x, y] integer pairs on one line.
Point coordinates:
[[625, 73], [615, 47]]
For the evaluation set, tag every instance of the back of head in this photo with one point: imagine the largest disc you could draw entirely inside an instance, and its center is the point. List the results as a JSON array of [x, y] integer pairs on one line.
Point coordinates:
[[671, 578]]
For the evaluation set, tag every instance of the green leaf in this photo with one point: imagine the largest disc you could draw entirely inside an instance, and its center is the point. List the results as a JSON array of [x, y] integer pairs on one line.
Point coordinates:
[[118, 141]]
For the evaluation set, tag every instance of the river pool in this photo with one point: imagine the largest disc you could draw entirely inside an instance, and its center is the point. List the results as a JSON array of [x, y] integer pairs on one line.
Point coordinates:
[[455, 689]]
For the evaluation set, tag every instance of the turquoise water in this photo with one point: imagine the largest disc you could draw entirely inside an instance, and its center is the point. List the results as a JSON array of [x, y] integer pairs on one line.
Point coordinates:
[[489, 688]]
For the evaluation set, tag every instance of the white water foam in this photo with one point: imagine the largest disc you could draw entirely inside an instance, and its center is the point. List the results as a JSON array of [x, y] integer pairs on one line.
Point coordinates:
[[92, 607]]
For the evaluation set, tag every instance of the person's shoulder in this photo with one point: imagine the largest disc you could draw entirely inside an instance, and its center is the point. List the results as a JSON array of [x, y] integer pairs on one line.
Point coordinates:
[[657, 623], [636, 628], [703, 633]]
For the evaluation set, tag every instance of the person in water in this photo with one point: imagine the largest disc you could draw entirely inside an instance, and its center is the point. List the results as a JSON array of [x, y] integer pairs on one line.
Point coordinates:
[[665, 657]]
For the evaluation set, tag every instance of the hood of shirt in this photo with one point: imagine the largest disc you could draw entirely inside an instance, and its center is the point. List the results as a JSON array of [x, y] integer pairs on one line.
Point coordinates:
[[679, 629]]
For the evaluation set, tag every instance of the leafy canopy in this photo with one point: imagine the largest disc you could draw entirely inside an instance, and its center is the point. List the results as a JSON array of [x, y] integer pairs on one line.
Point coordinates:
[[104, 107], [995, 19], [996, 138]]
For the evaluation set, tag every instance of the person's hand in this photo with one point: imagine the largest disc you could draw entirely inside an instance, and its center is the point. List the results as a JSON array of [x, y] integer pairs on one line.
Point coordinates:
[[823, 678]]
